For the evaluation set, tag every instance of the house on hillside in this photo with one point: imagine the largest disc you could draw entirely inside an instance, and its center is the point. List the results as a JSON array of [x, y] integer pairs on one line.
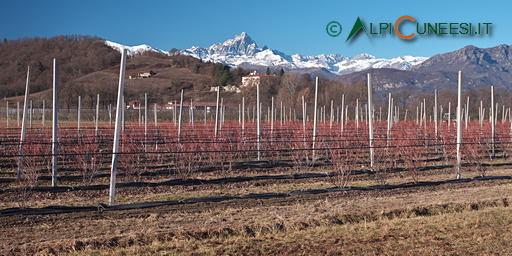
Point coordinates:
[[227, 88], [201, 106], [142, 74], [255, 79]]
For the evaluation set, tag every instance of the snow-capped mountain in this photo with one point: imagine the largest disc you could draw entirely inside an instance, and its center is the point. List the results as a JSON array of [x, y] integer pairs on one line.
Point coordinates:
[[134, 50], [243, 50]]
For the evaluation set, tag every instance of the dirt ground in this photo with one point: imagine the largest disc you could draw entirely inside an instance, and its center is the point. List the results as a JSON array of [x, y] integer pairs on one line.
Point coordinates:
[[115, 232]]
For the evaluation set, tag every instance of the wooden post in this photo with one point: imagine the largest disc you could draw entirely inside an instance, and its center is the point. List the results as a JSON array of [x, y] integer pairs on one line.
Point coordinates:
[[55, 123], [115, 148]]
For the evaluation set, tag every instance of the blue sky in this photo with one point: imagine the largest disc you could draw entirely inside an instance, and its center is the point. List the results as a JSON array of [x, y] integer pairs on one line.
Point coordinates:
[[289, 26]]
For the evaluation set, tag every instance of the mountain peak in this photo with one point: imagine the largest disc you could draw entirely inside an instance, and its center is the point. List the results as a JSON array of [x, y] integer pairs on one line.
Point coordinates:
[[244, 37], [240, 45], [243, 50]]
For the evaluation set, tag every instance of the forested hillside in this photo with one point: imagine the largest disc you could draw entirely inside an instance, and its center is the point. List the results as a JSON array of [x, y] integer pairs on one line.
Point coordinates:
[[77, 55]]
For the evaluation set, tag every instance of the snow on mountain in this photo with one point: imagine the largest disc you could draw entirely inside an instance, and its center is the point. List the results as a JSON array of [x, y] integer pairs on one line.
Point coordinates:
[[243, 50], [134, 50]]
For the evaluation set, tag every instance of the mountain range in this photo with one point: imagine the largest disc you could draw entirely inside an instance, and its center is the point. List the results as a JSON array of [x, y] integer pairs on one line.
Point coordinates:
[[243, 51], [480, 66]]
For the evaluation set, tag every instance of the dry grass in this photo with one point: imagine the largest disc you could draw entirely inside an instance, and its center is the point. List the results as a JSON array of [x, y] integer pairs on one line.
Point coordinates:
[[415, 220], [485, 232]]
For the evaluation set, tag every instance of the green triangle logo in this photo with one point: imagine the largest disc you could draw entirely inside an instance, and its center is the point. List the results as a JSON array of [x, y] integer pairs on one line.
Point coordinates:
[[357, 28]]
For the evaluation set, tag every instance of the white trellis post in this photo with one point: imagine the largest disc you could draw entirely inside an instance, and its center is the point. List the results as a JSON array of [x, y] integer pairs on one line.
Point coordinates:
[[43, 119], [459, 126], [258, 119], [146, 115], [272, 117], [156, 115], [55, 123], [342, 113], [23, 123], [217, 113], [18, 112], [303, 115], [370, 119], [467, 113], [79, 108], [315, 117], [191, 111], [243, 116], [31, 112], [110, 114], [115, 148], [7, 113], [180, 115], [97, 114], [435, 114], [356, 116], [390, 109], [331, 118], [493, 122]]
